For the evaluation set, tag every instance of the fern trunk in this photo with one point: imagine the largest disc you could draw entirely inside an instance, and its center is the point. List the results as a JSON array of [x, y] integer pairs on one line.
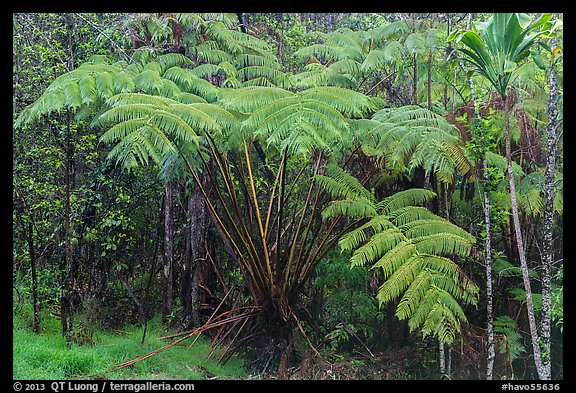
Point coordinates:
[[521, 253]]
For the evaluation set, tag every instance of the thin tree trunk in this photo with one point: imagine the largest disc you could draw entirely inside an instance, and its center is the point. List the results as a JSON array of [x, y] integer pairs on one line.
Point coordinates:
[[32, 252], [489, 291], [521, 253], [415, 70], [442, 359], [548, 247], [168, 254], [67, 304], [185, 281], [487, 243], [430, 80]]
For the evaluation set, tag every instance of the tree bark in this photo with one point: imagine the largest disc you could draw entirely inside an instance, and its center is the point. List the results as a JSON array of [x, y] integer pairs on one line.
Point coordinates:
[[32, 252], [67, 301], [548, 247], [415, 69], [168, 254], [430, 80], [199, 226]]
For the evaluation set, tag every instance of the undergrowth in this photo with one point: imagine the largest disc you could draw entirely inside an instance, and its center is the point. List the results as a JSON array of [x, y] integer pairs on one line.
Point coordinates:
[[46, 356]]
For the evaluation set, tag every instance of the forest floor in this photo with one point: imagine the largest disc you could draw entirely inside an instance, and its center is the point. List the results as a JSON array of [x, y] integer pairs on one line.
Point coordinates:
[[94, 353]]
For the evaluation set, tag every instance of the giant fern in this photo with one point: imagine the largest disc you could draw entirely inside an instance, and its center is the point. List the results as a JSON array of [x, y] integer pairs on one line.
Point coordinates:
[[413, 249]]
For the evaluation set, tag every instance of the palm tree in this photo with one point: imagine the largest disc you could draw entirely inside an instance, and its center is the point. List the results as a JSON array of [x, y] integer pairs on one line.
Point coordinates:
[[494, 48]]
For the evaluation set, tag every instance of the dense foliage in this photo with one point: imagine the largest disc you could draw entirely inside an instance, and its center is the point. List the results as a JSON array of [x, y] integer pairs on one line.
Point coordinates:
[[302, 188]]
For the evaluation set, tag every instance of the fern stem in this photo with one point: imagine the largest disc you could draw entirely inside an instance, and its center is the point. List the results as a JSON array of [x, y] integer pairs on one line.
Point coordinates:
[[260, 226], [297, 233]]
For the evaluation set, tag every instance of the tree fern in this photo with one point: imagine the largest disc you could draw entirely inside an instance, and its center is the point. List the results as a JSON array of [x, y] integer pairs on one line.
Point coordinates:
[[411, 137], [413, 248], [249, 99], [188, 82]]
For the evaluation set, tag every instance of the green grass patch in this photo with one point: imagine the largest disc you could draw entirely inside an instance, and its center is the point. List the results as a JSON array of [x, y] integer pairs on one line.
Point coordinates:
[[46, 356]]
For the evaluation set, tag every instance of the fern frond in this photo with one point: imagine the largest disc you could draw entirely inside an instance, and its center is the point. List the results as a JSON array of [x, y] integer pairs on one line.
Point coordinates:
[[72, 95], [188, 82], [123, 82], [136, 148], [443, 244], [122, 129], [395, 257], [224, 119], [169, 60], [212, 56], [346, 66], [148, 81], [374, 60], [326, 52], [206, 70], [189, 98], [399, 281], [175, 126], [348, 102], [460, 287], [250, 99], [377, 246], [407, 214], [139, 98], [357, 208], [256, 71], [352, 239], [341, 184], [433, 225], [128, 112], [88, 89], [194, 117], [442, 323], [413, 196], [393, 52], [412, 297], [248, 60]]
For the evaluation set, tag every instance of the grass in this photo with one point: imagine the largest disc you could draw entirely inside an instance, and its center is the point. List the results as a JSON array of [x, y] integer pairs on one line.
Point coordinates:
[[46, 356]]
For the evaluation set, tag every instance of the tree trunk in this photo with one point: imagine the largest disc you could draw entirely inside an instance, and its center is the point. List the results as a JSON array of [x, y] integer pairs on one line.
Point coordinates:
[[487, 243], [442, 359], [67, 301], [185, 281], [168, 254], [488, 257], [430, 80], [32, 252], [521, 252], [415, 69], [199, 225], [548, 247]]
